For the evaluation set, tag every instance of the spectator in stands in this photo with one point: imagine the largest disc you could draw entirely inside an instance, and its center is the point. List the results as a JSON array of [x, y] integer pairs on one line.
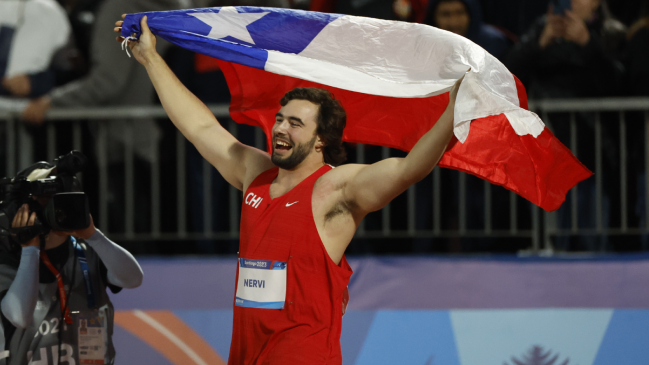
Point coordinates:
[[82, 15], [115, 80], [573, 54], [31, 32], [570, 54], [464, 17]]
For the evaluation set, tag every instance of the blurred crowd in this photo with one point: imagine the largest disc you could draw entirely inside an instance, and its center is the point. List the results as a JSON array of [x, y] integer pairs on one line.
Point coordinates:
[[62, 49], [62, 53]]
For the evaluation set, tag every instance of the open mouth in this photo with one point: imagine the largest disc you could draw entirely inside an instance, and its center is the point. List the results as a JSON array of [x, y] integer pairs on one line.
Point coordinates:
[[282, 146]]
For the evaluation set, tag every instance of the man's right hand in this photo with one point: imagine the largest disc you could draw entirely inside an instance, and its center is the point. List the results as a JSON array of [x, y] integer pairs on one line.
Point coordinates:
[[144, 48], [22, 219]]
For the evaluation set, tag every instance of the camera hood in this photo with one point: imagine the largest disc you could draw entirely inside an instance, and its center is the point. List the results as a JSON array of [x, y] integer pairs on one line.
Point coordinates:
[[67, 211]]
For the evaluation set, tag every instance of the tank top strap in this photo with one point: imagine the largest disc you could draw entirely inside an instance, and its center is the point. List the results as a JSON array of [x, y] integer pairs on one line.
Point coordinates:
[[310, 181], [265, 178]]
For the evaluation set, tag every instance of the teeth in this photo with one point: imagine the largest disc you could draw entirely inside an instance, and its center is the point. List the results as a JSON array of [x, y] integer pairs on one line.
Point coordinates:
[[283, 144]]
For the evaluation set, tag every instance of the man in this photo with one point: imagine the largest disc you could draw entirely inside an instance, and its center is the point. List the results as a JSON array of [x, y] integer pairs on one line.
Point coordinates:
[[49, 316], [299, 213], [464, 17]]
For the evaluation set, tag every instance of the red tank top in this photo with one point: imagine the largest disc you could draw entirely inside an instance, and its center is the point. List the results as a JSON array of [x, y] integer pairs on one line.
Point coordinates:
[[273, 232]]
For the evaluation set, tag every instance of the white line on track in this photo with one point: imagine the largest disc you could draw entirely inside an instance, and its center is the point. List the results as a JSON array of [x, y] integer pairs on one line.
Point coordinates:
[[170, 335]]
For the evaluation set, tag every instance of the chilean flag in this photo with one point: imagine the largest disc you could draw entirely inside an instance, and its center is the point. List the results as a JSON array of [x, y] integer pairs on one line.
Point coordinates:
[[393, 80]]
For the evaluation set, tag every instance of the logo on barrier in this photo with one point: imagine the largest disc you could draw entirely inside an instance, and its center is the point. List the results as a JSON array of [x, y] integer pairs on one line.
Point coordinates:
[[538, 356]]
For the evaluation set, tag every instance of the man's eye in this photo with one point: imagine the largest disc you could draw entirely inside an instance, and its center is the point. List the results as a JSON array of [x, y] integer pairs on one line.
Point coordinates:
[[294, 124]]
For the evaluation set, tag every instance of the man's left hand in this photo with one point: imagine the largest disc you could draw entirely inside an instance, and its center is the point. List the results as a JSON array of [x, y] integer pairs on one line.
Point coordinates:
[[80, 233], [35, 111]]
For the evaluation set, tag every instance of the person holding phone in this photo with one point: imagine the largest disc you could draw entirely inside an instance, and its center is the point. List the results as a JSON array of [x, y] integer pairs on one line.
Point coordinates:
[[572, 51], [575, 51]]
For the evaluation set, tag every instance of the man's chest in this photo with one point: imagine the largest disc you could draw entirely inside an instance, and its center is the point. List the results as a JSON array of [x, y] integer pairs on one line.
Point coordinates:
[[272, 228]]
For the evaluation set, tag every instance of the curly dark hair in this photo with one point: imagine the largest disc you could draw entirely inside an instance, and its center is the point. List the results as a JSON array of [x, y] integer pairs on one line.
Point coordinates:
[[331, 120]]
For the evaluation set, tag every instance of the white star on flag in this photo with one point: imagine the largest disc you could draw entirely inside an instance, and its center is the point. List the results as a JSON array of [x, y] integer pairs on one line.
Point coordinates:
[[229, 22]]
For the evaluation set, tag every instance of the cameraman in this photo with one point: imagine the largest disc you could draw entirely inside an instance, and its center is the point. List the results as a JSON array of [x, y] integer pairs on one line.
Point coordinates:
[[55, 309]]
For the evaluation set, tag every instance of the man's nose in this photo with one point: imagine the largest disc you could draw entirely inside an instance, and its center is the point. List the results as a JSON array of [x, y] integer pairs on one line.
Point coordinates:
[[455, 22], [282, 127]]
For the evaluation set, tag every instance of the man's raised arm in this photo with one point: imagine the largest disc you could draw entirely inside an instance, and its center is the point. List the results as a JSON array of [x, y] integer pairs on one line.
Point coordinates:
[[371, 187], [238, 163]]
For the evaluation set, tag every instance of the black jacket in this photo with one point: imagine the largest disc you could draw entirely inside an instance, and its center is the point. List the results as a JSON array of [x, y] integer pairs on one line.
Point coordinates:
[[566, 69]]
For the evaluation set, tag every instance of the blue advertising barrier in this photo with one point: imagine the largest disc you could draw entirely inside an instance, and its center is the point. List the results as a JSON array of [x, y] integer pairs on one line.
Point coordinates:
[[414, 310]]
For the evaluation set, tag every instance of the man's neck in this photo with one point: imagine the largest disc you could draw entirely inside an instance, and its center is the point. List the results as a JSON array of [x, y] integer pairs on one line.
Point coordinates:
[[54, 240], [57, 252], [288, 179]]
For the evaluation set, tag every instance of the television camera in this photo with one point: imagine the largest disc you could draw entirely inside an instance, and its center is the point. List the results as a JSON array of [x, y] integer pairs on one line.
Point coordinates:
[[50, 190]]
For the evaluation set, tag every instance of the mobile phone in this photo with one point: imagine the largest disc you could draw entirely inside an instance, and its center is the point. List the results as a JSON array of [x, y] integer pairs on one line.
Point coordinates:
[[560, 6]]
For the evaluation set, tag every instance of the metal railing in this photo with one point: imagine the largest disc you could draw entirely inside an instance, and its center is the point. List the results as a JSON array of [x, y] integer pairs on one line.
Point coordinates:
[[524, 221], [618, 110]]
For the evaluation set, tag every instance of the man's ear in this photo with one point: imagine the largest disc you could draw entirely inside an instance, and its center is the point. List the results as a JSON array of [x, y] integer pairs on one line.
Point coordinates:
[[319, 144]]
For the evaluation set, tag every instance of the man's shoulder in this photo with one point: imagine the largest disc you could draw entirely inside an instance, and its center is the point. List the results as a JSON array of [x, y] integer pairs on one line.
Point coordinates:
[[91, 256], [336, 179], [344, 171], [256, 165], [257, 177]]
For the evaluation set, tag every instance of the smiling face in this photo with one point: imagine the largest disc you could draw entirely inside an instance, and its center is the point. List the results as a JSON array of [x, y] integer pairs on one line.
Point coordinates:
[[294, 134]]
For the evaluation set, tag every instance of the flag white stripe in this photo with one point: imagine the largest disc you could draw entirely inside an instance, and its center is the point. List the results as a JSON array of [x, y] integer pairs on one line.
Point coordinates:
[[348, 78], [408, 60]]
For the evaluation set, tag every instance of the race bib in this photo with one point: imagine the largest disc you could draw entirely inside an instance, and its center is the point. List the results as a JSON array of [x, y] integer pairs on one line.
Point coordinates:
[[262, 284]]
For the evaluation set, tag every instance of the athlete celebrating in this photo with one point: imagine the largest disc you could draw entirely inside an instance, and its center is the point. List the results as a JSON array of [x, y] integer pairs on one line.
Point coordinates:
[[299, 212]]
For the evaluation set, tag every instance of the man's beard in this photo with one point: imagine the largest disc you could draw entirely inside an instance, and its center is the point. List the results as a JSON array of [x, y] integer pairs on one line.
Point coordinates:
[[300, 152]]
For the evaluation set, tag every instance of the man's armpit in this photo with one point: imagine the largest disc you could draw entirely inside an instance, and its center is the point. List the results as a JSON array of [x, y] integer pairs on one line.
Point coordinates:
[[341, 208]]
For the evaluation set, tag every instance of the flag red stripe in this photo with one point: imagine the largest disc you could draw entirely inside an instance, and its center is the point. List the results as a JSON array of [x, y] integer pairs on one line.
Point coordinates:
[[541, 169]]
